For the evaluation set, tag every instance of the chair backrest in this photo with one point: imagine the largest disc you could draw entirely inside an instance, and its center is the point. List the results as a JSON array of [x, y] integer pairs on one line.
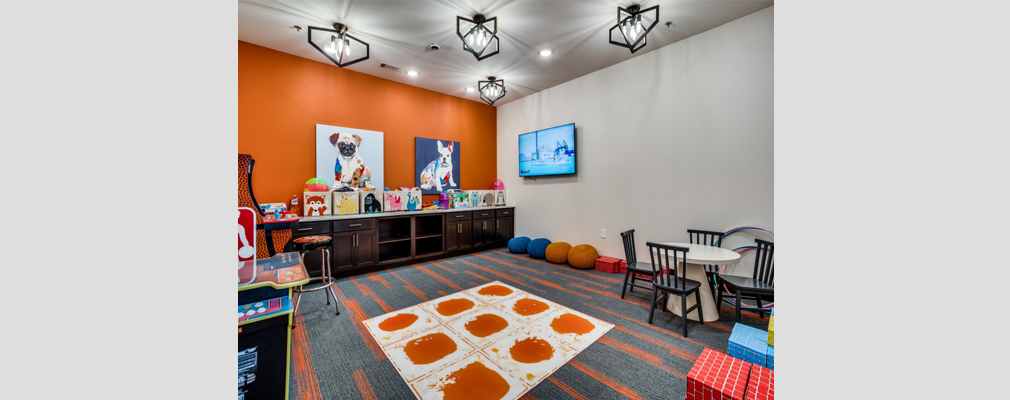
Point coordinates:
[[764, 262], [708, 238], [629, 245], [667, 267]]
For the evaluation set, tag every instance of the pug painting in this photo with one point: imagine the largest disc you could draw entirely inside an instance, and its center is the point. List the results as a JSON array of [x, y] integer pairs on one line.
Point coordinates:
[[350, 172], [438, 173]]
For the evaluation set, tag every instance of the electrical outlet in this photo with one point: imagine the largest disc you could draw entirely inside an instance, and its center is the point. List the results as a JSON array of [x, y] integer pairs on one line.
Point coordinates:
[[603, 233]]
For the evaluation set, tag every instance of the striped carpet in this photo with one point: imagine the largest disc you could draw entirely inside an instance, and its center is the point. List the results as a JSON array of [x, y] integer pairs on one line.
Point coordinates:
[[333, 357]]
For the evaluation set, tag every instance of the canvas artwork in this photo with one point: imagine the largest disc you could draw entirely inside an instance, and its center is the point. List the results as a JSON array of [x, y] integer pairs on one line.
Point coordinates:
[[494, 337], [348, 158], [436, 165]]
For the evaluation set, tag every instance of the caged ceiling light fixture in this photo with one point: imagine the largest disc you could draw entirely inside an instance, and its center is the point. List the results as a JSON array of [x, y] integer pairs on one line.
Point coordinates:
[[491, 90], [338, 45], [479, 33], [633, 27]]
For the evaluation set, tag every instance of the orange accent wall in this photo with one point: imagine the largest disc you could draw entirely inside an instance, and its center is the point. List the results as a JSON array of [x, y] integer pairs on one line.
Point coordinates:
[[282, 97]]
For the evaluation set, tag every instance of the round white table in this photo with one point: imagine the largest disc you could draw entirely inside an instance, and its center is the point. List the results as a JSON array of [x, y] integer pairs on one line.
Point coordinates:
[[698, 256]]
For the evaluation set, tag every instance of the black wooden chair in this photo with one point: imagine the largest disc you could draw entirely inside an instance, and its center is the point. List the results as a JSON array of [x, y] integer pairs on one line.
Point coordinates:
[[634, 267], [666, 280], [760, 287], [708, 238]]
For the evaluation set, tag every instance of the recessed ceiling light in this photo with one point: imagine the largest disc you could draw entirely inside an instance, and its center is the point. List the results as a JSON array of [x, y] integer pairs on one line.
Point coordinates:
[[546, 52], [412, 72], [469, 89]]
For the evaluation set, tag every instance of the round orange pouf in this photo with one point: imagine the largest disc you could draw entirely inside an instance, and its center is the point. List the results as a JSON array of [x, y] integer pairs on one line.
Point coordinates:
[[583, 256], [557, 252]]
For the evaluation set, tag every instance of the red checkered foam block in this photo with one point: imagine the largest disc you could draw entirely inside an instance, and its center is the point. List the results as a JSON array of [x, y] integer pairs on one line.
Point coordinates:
[[761, 385], [717, 376], [609, 265]]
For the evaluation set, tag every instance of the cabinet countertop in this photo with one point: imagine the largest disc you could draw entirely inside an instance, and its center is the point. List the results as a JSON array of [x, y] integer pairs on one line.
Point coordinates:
[[397, 214]]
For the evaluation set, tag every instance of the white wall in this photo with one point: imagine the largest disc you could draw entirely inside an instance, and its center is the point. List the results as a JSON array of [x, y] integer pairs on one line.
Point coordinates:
[[678, 138]]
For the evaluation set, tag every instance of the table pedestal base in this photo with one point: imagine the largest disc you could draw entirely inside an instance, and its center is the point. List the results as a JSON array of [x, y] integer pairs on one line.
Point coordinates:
[[696, 272]]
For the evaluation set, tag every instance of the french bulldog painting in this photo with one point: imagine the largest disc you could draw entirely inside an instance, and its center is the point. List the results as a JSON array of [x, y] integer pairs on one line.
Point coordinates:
[[438, 174]]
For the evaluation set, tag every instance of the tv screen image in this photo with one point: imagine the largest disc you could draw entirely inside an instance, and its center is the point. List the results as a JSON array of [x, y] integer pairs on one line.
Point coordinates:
[[547, 152]]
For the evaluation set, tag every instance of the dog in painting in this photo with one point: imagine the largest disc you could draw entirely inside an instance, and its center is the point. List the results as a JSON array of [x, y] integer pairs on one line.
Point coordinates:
[[350, 171], [438, 173]]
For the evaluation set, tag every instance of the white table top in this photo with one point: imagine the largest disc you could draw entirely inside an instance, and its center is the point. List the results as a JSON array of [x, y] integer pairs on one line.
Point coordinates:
[[711, 255]]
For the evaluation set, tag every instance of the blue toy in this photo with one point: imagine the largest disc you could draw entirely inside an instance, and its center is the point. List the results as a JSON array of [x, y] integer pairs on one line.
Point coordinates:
[[538, 248], [519, 244], [751, 344]]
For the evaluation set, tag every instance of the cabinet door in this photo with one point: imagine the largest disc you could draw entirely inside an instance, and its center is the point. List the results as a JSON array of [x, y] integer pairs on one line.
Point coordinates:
[[489, 229], [503, 229], [366, 248], [465, 240], [452, 234], [477, 235], [342, 252]]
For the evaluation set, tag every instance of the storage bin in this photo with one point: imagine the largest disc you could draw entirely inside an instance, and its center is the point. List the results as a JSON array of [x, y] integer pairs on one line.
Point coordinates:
[[316, 204]]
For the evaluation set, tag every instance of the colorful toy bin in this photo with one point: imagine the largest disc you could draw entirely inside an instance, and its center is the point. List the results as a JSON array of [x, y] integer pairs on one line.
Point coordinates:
[[345, 203], [499, 197], [475, 197], [370, 202], [316, 204], [460, 200], [394, 200], [316, 185]]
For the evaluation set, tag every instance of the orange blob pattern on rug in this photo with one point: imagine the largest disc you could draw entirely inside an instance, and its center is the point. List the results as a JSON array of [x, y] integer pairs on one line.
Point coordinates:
[[531, 350], [526, 307], [397, 322], [571, 323], [485, 325], [475, 381], [489, 341], [430, 348], [454, 306], [495, 290]]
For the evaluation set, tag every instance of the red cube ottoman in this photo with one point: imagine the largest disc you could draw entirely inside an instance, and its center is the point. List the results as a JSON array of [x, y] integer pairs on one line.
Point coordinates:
[[609, 265], [717, 376], [761, 385]]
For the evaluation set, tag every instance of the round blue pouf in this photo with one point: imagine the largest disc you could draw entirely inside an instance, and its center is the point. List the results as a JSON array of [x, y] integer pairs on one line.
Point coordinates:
[[538, 248], [518, 244]]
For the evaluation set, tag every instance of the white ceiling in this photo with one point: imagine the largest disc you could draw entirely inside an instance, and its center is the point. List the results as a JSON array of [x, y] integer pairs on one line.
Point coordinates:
[[399, 32]]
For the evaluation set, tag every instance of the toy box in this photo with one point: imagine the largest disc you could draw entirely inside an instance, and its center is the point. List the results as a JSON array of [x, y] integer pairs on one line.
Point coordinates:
[[499, 197], [761, 384], [608, 264], [460, 199], [345, 203], [475, 197], [487, 198], [394, 200], [749, 344], [771, 328], [370, 202], [316, 204], [717, 376], [268, 208], [412, 199]]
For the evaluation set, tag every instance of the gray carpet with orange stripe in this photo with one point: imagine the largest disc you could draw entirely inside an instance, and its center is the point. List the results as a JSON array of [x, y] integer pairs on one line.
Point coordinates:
[[333, 357]]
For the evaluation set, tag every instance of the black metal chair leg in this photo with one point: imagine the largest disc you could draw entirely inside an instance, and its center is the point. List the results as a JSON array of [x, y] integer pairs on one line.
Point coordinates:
[[633, 278], [625, 287], [718, 301], [683, 312], [697, 298], [652, 307], [738, 305]]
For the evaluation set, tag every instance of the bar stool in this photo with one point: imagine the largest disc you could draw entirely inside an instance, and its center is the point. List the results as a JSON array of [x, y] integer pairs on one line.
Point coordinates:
[[304, 245]]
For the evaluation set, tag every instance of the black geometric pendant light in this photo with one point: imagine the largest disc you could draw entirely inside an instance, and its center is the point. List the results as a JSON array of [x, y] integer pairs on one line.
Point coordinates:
[[634, 24], [477, 35], [339, 44], [491, 90]]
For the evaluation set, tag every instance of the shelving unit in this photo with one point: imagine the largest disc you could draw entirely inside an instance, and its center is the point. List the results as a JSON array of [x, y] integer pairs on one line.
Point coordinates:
[[428, 235], [394, 239]]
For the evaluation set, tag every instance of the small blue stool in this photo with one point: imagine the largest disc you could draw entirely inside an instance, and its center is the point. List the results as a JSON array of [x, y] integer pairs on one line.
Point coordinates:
[[518, 244], [538, 248]]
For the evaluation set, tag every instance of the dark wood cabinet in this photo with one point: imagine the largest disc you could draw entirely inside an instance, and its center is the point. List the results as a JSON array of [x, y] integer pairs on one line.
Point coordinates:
[[503, 229], [355, 249], [483, 232], [458, 235]]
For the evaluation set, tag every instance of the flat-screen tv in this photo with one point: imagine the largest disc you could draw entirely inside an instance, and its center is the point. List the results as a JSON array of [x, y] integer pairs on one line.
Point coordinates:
[[548, 152]]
